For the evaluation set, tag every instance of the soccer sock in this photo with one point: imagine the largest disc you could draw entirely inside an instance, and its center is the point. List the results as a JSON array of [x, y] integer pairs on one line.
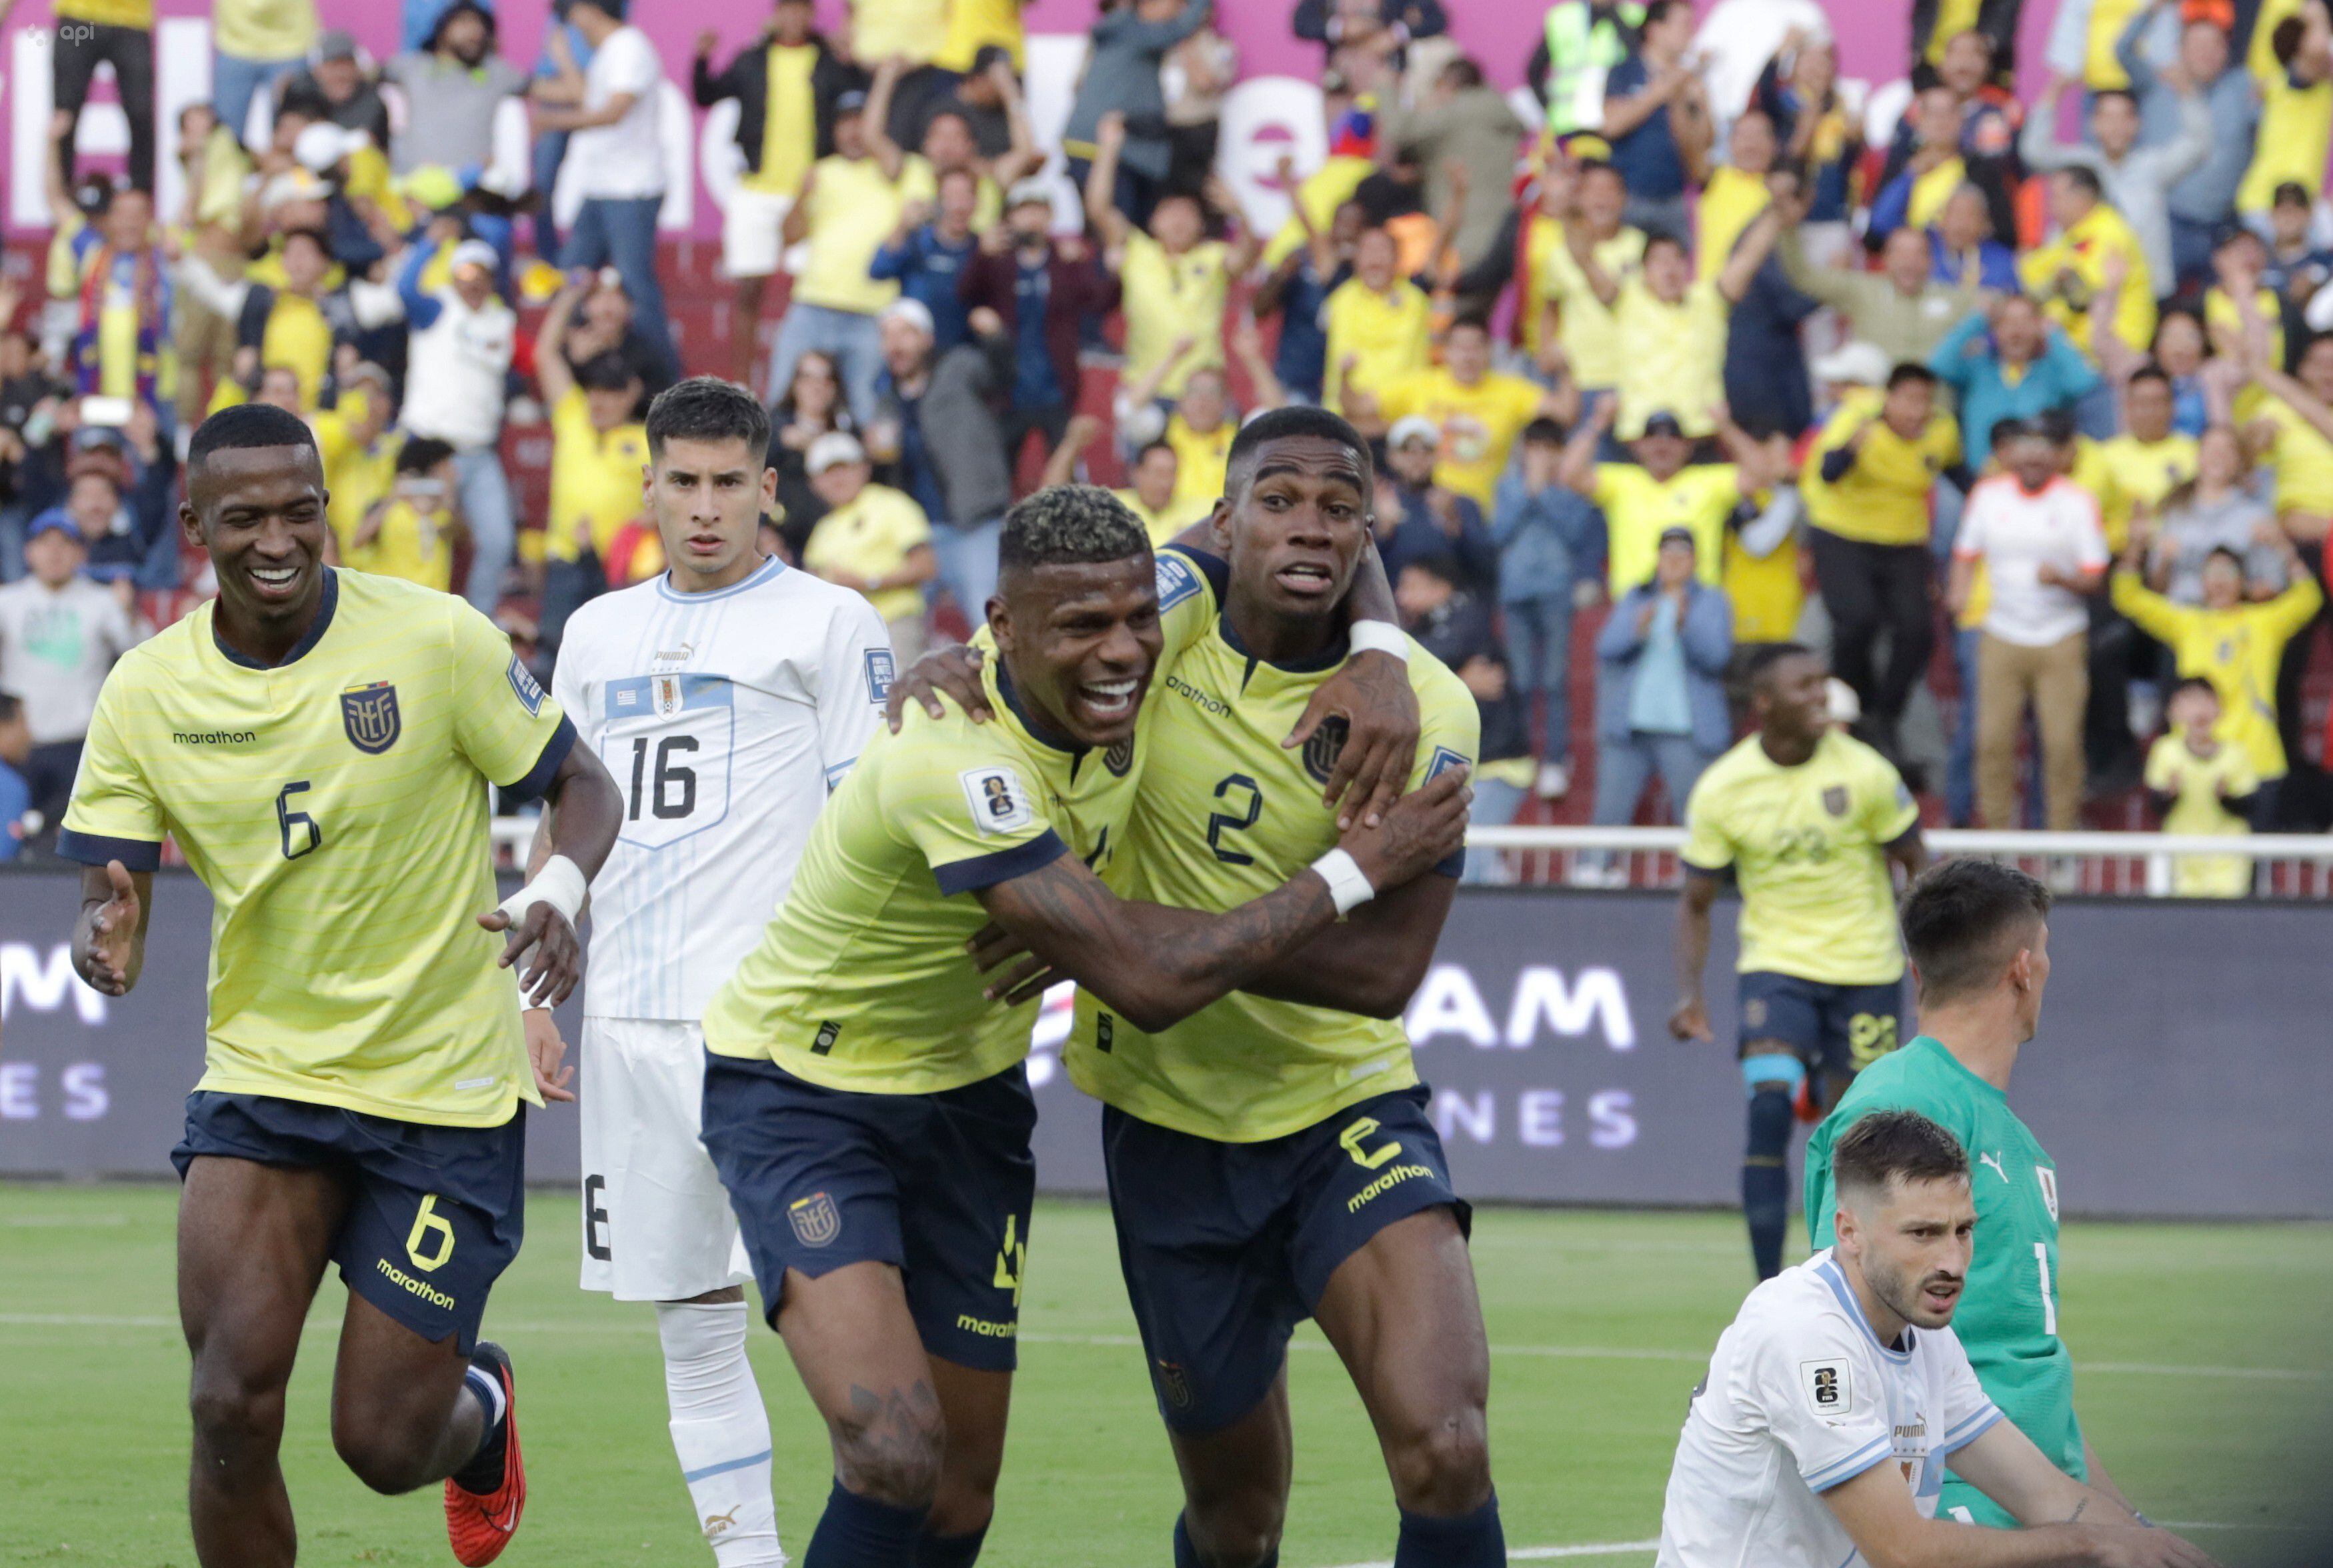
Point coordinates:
[[857, 1532], [483, 1471], [1474, 1540], [720, 1429], [1186, 1555], [949, 1551], [1766, 1177]]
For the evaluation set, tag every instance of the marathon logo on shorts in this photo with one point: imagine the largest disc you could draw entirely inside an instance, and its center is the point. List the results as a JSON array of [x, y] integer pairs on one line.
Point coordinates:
[[815, 1218], [987, 1327], [524, 687], [1828, 1389], [1392, 1178], [880, 670], [369, 714], [1834, 799], [412, 1286]]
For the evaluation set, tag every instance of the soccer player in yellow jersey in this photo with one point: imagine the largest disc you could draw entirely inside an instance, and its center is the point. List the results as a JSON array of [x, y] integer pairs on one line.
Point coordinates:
[[1808, 822], [319, 743], [865, 1099]]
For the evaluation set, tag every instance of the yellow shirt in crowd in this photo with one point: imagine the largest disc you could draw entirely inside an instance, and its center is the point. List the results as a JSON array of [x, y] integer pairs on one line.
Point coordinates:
[[413, 545], [869, 536], [1585, 325], [1202, 458], [913, 29], [1884, 499], [2124, 473], [789, 123], [2237, 649], [261, 29], [1674, 358], [853, 208], [1638, 509], [1478, 423], [1730, 202], [973, 25], [1385, 335], [1169, 298], [2082, 249], [2200, 786], [597, 478], [2294, 138], [2303, 459]]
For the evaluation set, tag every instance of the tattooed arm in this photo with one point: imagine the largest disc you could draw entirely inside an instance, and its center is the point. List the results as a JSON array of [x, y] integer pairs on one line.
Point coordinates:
[[1155, 966]]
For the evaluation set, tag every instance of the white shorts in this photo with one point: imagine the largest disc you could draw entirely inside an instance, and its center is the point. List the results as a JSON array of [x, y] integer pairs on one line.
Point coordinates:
[[656, 1221], [750, 244]]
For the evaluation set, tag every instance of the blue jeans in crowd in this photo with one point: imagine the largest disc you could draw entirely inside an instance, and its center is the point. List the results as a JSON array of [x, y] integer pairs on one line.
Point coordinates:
[[234, 82], [484, 493], [1538, 659], [1623, 769], [967, 559], [622, 232], [550, 152], [1496, 802], [1960, 761], [852, 340]]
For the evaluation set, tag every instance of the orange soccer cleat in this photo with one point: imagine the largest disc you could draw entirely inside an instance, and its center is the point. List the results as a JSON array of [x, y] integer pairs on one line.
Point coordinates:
[[480, 1524]]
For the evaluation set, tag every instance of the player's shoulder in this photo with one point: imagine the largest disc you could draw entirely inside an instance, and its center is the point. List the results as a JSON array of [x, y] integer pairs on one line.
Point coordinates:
[[1859, 757], [1906, 1079], [1800, 1313], [165, 654], [1184, 574], [1440, 692], [418, 612], [1745, 760]]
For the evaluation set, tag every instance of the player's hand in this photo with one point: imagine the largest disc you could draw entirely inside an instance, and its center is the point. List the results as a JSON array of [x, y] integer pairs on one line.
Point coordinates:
[[1016, 975], [1424, 829], [1690, 1020], [1371, 692], [2144, 1546], [551, 975], [954, 669], [545, 1051], [112, 933]]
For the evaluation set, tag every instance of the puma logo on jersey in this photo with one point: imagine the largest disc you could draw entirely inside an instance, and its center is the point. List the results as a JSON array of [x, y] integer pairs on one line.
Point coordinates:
[[1993, 1161], [716, 1523]]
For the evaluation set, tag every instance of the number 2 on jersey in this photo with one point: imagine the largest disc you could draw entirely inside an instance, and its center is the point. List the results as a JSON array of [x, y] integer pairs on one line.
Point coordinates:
[[1221, 822]]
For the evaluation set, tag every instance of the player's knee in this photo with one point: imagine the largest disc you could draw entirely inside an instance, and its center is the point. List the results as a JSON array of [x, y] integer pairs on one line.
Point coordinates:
[[1444, 1468], [963, 1504], [236, 1418], [890, 1449], [1772, 1115], [1236, 1530], [383, 1459]]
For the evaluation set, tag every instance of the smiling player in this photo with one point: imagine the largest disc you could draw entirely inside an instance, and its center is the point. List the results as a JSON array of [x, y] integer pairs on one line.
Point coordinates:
[[364, 1067]]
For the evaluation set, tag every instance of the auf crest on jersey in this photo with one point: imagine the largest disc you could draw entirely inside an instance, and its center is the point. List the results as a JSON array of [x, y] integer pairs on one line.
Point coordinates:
[[368, 713]]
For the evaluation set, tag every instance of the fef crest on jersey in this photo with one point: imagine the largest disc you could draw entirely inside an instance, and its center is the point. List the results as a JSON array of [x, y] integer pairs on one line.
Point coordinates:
[[368, 713], [1323, 748]]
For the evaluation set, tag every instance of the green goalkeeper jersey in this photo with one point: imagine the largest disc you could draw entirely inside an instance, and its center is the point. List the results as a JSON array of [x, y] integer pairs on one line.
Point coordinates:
[[2007, 1315]]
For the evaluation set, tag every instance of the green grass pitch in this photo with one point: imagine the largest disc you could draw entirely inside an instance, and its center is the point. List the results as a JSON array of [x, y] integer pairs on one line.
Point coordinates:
[[2204, 1375]]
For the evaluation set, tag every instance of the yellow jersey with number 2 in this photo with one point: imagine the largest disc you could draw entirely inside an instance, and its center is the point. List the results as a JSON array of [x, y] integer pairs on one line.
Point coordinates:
[[335, 807], [1808, 847], [1226, 814]]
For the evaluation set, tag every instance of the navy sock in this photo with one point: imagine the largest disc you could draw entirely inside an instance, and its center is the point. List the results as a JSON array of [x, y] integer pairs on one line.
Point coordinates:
[[1187, 1556], [857, 1532], [1474, 1540], [949, 1551], [1766, 1178], [482, 1472]]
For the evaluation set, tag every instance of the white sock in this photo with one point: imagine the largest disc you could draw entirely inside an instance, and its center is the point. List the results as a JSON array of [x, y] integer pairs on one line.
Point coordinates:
[[720, 1429]]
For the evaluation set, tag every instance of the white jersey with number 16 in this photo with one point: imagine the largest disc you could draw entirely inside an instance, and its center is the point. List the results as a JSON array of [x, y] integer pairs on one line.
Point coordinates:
[[1801, 1396], [724, 718]]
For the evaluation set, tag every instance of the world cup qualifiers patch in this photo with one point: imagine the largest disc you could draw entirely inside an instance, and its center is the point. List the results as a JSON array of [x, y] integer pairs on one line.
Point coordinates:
[[879, 671], [1444, 759], [1825, 1385], [524, 686], [1176, 581], [999, 802]]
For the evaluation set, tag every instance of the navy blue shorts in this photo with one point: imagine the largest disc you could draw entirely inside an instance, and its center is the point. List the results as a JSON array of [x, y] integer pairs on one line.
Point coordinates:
[[1836, 1030], [1227, 1246], [435, 1213], [938, 1186]]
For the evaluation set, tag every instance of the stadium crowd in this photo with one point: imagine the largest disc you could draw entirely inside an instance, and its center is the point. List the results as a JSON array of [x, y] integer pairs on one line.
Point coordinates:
[[2022, 409]]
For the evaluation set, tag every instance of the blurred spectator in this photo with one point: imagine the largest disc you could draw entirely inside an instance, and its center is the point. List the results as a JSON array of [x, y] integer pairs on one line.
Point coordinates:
[[1199, 425], [2203, 787], [2216, 510], [120, 484], [849, 202], [1426, 517], [610, 115], [811, 406], [334, 86], [358, 447], [1961, 249], [1549, 538], [1461, 122], [1382, 27], [1580, 42], [410, 531], [119, 284], [297, 325], [2036, 535], [2134, 179], [255, 45], [1196, 75], [1765, 373], [1478, 412], [2170, 51], [2138, 468], [937, 419], [2295, 265], [2234, 643], [1041, 296], [606, 322], [2292, 429], [947, 143], [1660, 683], [2296, 124], [16, 789], [1938, 26], [1973, 124], [1817, 135], [1867, 482], [2007, 363], [551, 146], [1377, 324], [1130, 38], [1297, 290], [87, 33], [599, 449], [2067, 273], [1585, 329], [1661, 490], [1674, 330], [926, 254], [1455, 626], [1657, 120], [875, 540], [458, 356], [60, 632], [787, 84], [907, 34], [1901, 310], [453, 85]]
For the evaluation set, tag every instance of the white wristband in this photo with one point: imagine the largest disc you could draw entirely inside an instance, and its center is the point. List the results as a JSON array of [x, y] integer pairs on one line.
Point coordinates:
[[560, 884], [1378, 637], [1348, 884]]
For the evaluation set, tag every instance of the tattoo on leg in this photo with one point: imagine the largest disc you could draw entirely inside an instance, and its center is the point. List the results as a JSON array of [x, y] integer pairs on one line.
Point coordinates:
[[885, 1443], [2079, 1508]]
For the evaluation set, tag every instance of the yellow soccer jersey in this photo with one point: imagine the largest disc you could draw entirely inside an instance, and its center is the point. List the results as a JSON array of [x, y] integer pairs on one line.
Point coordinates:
[[1806, 844], [861, 981], [1226, 814], [335, 806]]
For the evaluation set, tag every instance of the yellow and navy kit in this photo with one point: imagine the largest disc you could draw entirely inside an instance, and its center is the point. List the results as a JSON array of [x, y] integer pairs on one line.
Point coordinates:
[[335, 804], [861, 981], [1807, 845], [1224, 815]]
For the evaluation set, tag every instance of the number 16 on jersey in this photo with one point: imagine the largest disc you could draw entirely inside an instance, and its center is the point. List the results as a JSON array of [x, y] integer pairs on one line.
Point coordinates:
[[668, 742]]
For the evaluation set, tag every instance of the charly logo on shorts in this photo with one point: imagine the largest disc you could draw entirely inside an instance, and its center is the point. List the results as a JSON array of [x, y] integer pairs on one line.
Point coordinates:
[[1174, 1386], [1321, 752], [1119, 758], [369, 714], [815, 1218], [1834, 799]]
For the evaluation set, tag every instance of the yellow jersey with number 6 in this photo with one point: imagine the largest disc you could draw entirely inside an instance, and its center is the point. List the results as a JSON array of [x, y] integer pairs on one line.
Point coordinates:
[[1226, 814], [335, 806]]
